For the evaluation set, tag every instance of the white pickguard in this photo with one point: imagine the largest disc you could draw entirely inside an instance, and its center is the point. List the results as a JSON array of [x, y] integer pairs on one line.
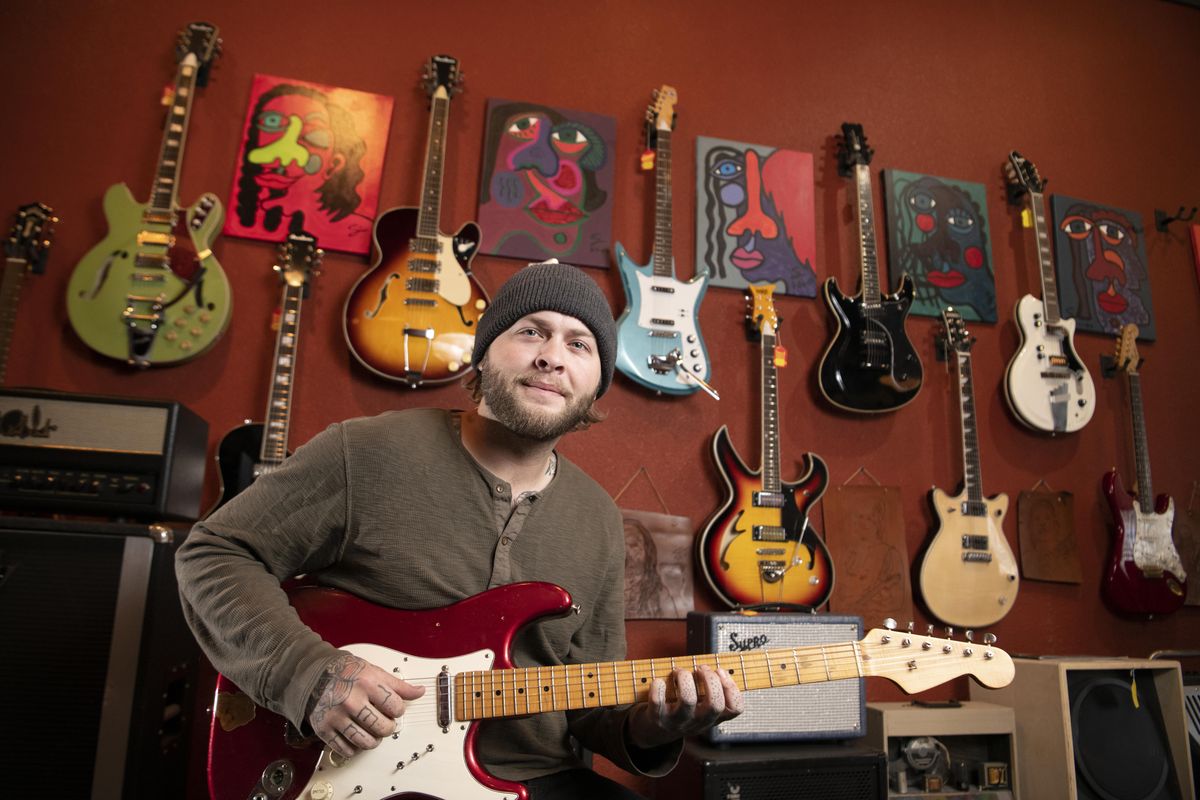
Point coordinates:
[[453, 283], [1150, 546], [1045, 397], [433, 761], [678, 305]]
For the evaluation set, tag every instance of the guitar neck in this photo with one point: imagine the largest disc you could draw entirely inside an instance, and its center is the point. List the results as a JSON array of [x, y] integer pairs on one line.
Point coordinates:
[[1037, 207], [770, 416], [663, 255], [435, 158], [972, 472], [170, 154], [279, 400], [11, 282], [871, 295], [1145, 490]]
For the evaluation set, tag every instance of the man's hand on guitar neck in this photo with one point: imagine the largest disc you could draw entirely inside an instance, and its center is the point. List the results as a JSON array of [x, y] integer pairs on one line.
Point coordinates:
[[356, 704], [657, 721]]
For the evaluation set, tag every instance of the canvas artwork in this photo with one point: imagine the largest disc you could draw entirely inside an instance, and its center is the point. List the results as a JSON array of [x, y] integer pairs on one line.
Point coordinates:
[[1100, 263], [546, 190], [310, 161], [937, 233], [754, 216], [658, 565]]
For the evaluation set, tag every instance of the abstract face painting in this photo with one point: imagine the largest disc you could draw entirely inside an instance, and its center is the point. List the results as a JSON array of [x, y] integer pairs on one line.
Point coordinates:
[[546, 189], [310, 160], [754, 216]]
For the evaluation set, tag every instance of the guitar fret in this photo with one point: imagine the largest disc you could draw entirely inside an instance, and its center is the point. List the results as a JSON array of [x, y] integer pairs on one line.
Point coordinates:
[[871, 295], [1145, 491], [431, 184], [1037, 205], [663, 257], [278, 413], [770, 417]]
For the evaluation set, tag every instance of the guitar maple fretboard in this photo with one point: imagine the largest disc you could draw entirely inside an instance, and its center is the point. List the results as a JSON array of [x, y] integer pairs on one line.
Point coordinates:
[[11, 282], [279, 399], [770, 415], [170, 155], [514, 692], [435, 157], [972, 473], [1145, 490], [1037, 205], [866, 237], [663, 256]]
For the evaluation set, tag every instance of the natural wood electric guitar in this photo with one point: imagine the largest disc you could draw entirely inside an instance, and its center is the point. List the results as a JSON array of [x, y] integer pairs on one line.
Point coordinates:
[[969, 575], [658, 335], [255, 448], [1047, 384], [152, 293], [870, 366], [1145, 574], [25, 251], [461, 655], [412, 316], [759, 548]]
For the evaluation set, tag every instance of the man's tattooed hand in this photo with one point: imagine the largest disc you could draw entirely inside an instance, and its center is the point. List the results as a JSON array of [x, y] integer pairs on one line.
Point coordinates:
[[356, 704]]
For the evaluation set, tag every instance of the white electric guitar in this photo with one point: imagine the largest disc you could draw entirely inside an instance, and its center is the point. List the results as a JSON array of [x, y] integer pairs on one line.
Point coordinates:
[[1047, 385]]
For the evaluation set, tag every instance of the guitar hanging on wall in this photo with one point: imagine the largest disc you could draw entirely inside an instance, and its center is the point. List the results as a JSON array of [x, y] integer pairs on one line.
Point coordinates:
[[412, 316], [870, 366], [759, 548], [460, 654], [969, 574], [25, 252], [1145, 574], [658, 335], [152, 293], [1047, 384], [255, 448]]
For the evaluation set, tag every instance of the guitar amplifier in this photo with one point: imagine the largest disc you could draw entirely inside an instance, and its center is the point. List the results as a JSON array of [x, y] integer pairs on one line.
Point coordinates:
[[115, 456], [833, 710]]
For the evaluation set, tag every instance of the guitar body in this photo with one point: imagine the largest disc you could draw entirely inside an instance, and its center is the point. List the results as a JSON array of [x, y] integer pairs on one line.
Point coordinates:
[[416, 325], [870, 366], [742, 557], [248, 745], [660, 316], [1144, 573], [193, 295], [238, 464], [969, 575], [1047, 385]]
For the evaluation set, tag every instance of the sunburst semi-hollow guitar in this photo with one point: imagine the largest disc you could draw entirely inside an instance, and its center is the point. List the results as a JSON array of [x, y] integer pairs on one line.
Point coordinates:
[[412, 316], [25, 251], [969, 574], [255, 448], [1145, 574], [759, 548], [870, 365], [152, 293], [1047, 384], [461, 655]]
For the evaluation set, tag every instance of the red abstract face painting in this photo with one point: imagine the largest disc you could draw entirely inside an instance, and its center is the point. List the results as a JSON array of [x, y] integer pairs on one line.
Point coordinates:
[[310, 161]]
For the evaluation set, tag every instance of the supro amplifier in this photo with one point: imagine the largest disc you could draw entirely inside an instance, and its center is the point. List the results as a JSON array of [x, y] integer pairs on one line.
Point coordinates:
[[833, 710], [115, 456]]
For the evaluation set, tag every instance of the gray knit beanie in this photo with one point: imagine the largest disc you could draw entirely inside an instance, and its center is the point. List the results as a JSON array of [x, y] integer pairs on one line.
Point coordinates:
[[550, 286]]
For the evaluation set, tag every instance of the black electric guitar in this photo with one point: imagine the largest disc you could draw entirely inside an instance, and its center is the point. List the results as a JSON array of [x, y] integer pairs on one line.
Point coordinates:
[[870, 366], [256, 448], [25, 251]]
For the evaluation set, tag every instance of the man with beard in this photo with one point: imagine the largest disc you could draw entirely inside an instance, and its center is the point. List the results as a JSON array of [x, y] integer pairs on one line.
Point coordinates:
[[421, 508]]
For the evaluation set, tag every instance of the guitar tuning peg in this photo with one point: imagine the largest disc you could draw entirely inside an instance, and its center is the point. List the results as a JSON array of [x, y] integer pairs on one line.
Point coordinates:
[[989, 638], [910, 626], [890, 624], [654, 93], [949, 632], [929, 630], [970, 636]]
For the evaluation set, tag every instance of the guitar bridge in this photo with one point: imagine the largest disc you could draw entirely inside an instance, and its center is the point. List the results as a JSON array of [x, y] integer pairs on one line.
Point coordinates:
[[443, 699], [772, 571]]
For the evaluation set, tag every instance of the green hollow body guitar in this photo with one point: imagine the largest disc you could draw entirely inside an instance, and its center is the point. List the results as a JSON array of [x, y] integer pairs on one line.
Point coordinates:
[[152, 293]]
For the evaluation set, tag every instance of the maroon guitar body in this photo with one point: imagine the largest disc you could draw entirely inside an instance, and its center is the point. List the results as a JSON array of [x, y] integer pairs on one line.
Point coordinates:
[[1126, 586]]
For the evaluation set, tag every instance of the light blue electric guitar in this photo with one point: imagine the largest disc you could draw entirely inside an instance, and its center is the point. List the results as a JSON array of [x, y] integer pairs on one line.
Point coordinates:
[[658, 336]]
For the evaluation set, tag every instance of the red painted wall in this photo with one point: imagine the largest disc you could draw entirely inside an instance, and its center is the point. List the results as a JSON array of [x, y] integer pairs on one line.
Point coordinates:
[[1101, 94]]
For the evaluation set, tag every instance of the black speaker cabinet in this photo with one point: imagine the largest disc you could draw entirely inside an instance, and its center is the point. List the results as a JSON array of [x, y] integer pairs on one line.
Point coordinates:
[[98, 667], [1098, 728], [801, 771], [834, 710]]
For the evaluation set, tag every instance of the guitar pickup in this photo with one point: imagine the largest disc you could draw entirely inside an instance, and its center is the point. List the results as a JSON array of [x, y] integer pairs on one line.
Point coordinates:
[[974, 542], [1059, 361], [975, 556], [665, 289], [769, 500], [768, 533]]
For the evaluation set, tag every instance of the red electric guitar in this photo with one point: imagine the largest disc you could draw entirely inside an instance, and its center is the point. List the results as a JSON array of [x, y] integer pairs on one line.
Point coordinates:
[[461, 655], [758, 548], [1145, 574]]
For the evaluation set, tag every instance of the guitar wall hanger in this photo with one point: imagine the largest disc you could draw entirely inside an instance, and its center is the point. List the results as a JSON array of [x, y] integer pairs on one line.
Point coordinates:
[[1161, 220], [1109, 368]]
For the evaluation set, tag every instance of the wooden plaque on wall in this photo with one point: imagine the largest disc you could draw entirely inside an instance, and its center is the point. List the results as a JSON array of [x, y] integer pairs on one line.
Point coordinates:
[[864, 530]]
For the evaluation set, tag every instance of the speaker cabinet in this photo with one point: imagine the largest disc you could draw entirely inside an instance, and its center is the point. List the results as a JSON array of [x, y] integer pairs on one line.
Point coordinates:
[[98, 670], [801, 771], [834, 710], [1095, 729]]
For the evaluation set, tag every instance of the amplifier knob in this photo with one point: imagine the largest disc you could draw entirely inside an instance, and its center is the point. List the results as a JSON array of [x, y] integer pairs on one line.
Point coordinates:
[[143, 487]]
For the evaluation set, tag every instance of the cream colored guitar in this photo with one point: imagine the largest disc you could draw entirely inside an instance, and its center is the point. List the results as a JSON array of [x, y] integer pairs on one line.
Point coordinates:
[[969, 575]]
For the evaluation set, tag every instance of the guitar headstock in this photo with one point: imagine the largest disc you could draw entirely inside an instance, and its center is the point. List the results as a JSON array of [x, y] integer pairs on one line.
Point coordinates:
[[958, 338], [660, 115], [761, 319], [30, 236], [199, 39], [299, 260], [916, 663], [852, 149], [441, 73], [1023, 177], [1127, 358]]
